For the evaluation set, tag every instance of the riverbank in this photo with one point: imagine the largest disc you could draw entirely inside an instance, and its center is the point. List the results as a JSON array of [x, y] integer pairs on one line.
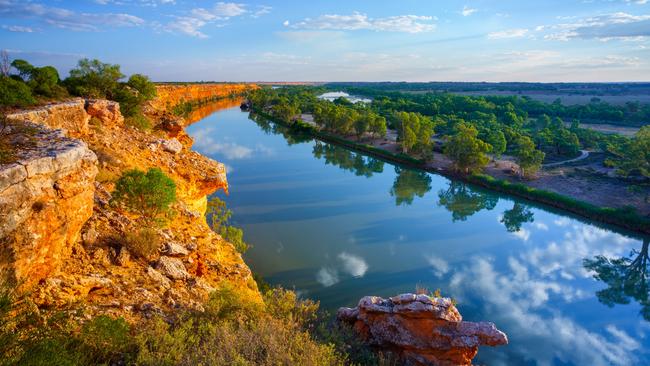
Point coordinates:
[[586, 206]]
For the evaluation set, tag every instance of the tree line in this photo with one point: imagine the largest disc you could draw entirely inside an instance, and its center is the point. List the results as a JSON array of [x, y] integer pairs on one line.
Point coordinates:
[[472, 130], [23, 84]]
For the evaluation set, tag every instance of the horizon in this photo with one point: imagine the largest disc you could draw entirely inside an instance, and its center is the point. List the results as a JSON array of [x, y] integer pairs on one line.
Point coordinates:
[[411, 41]]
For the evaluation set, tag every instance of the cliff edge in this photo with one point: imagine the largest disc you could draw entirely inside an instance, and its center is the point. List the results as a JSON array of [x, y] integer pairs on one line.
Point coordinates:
[[65, 244]]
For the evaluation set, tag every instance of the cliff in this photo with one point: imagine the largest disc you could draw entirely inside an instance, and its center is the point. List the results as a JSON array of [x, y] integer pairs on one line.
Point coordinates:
[[63, 240], [421, 330], [46, 196], [170, 95]]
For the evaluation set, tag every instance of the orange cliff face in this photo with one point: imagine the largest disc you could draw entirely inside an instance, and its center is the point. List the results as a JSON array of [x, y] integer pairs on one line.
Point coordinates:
[[81, 255], [171, 95]]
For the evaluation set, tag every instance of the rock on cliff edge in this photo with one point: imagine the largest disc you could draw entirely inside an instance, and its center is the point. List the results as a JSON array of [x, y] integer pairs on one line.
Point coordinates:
[[45, 199], [421, 330]]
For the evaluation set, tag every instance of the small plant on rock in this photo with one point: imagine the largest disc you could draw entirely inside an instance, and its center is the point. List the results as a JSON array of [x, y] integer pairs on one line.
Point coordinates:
[[143, 243], [148, 194], [219, 217]]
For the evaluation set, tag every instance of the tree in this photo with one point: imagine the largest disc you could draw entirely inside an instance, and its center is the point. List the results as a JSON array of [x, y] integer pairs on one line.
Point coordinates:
[[464, 202], [361, 125], [15, 93], [219, 217], [634, 156], [94, 79], [143, 85], [515, 217], [148, 194], [498, 142], [408, 184], [528, 157], [378, 126], [627, 278], [465, 149]]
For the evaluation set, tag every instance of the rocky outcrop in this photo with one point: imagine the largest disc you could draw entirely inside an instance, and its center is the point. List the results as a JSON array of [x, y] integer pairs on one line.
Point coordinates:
[[70, 116], [421, 330], [170, 95], [46, 196], [106, 111]]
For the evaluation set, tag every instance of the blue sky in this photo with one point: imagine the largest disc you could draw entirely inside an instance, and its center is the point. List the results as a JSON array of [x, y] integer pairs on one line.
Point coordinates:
[[366, 40]]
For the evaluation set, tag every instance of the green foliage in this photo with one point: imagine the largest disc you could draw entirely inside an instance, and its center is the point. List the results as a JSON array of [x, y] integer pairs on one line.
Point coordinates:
[[15, 93], [94, 79], [148, 194], [143, 243], [408, 184], [517, 216], [634, 156], [463, 202], [627, 278], [138, 121], [219, 217], [497, 140], [466, 150], [528, 158]]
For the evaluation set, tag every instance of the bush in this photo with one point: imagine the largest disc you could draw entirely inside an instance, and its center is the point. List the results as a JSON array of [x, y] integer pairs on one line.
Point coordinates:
[[139, 121], [148, 194], [94, 79], [15, 93], [143, 243]]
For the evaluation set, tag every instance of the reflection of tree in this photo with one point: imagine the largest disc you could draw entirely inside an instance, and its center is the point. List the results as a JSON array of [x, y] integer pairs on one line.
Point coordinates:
[[408, 184], [268, 127], [626, 278], [515, 217], [348, 160], [464, 202]]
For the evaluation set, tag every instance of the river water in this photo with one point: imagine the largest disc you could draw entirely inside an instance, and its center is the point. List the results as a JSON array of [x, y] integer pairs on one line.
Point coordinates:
[[336, 225]]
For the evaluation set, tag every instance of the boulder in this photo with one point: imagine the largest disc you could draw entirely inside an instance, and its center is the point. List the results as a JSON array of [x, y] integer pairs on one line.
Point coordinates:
[[106, 111], [174, 249], [421, 330], [172, 268], [173, 146]]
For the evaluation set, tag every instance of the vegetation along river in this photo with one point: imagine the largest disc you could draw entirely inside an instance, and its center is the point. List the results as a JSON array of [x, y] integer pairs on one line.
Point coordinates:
[[337, 225]]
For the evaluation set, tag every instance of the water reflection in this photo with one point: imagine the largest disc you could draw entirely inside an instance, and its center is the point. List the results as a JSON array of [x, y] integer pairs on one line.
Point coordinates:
[[408, 184], [340, 228], [463, 202], [517, 216], [348, 160], [626, 278]]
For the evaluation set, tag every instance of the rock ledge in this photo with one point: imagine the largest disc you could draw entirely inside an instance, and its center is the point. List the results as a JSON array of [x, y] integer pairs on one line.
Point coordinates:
[[421, 330]]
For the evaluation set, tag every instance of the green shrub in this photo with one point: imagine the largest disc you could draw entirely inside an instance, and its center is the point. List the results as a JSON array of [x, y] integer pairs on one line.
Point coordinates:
[[143, 243], [148, 194], [138, 121], [15, 93]]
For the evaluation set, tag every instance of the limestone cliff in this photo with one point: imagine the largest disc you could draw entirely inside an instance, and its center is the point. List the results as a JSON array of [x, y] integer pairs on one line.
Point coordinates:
[[170, 95], [61, 237], [46, 196], [422, 330]]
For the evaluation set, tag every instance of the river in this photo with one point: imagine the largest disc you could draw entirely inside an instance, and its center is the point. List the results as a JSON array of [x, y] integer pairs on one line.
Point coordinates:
[[336, 225]]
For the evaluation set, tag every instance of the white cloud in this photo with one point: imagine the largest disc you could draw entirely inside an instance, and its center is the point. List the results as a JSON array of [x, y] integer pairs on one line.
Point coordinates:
[[440, 266], [327, 277], [197, 18], [522, 234], [18, 29], [205, 143], [510, 33], [467, 11], [359, 21], [67, 19], [603, 27], [354, 265]]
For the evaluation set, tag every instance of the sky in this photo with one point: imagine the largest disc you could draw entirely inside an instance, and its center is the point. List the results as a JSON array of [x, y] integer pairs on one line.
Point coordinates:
[[334, 40]]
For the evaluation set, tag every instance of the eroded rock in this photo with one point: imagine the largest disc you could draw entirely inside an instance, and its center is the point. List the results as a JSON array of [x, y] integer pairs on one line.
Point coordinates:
[[172, 268], [173, 146], [106, 111], [422, 330]]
